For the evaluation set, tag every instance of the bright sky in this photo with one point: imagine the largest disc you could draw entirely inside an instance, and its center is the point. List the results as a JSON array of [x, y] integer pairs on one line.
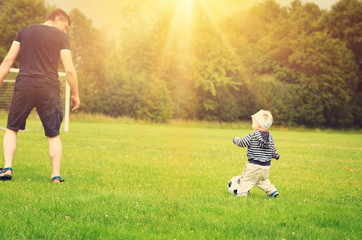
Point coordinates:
[[106, 13]]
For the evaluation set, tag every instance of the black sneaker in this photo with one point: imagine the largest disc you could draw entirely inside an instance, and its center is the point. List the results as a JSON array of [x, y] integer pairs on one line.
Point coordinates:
[[57, 179], [5, 175]]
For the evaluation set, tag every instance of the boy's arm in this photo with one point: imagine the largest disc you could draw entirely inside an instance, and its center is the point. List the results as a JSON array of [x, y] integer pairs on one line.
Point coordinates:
[[242, 142], [275, 153]]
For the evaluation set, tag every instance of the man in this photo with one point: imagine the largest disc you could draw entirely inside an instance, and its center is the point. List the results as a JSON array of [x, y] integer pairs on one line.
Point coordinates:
[[39, 47]]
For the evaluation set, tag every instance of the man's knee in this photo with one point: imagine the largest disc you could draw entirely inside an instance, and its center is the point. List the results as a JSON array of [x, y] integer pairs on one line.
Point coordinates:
[[11, 134]]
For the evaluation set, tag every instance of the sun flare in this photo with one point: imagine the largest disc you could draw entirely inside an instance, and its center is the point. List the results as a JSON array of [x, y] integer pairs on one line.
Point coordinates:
[[186, 14], [179, 26]]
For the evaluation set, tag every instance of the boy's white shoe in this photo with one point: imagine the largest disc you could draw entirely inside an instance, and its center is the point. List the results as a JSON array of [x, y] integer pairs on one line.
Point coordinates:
[[242, 194]]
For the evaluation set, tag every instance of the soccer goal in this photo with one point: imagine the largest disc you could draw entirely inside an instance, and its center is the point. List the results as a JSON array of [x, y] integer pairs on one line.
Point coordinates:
[[7, 90]]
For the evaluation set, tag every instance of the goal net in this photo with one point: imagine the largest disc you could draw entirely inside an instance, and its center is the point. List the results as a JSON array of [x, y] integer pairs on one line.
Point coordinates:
[[6, 94]]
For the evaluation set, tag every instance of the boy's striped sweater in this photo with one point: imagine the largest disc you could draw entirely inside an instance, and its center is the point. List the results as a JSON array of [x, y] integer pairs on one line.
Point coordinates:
[[261, 148]]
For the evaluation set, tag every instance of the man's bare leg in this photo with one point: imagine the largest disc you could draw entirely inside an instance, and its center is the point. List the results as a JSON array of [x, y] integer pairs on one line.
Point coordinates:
[[9, 144], [55, 152]]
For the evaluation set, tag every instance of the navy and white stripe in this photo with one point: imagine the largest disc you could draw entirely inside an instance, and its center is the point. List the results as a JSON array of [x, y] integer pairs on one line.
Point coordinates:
[[259, 151]]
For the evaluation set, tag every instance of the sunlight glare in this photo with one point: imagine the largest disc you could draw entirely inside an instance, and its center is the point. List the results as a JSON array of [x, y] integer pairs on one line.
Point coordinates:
[[185, 16], [189, 8]]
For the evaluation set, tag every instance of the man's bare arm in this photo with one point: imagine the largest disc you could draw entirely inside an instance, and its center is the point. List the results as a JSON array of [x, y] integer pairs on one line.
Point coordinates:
[[71, 76], [9, 60]]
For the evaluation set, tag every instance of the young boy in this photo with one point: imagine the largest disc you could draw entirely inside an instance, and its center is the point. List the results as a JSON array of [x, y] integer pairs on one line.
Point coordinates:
[[260, 152]]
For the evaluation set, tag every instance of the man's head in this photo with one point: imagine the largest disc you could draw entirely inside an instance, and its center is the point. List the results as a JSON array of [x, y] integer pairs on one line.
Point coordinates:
[[59, 19]]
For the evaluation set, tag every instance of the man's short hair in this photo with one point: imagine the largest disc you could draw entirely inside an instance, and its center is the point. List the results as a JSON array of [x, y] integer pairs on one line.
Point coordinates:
[[58, 13]]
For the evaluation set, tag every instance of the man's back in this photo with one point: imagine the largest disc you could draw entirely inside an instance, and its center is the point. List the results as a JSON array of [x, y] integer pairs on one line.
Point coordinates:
[[40, 47]]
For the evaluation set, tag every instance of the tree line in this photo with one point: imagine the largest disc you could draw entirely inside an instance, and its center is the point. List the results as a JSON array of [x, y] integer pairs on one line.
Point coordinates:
[[302, 63]]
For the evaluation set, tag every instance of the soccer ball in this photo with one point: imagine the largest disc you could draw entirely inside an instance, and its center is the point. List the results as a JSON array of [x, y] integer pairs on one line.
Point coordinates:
[[234, 184]]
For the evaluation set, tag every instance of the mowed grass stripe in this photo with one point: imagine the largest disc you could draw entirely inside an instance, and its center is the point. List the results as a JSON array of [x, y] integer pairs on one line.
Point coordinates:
[[149, 181]]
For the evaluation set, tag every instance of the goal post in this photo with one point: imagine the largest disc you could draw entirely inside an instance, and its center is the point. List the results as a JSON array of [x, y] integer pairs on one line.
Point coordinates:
[[66, 102], [7, 89]]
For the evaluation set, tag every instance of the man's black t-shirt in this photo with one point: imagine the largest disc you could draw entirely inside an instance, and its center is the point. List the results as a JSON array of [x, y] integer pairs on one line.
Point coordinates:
[[40, 47]]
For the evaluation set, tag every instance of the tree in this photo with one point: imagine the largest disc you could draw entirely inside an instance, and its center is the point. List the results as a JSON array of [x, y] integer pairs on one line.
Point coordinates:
[[326, 72], [89, 49], [344, 22], [16, 14], [124, 93], [156, 104], [215, 66], [175, 63], [295, 65]]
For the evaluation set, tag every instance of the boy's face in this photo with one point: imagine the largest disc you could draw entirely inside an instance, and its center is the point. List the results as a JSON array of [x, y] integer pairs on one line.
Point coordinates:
[[255, 125]]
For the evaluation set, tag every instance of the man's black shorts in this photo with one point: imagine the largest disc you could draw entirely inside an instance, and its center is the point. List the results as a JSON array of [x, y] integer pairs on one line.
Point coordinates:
[[48, 106]]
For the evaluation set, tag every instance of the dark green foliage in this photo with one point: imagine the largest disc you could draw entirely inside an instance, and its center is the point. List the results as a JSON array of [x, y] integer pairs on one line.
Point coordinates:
[[344, 22], [156, 103], [125, 95], [89, 49], [16, 14]]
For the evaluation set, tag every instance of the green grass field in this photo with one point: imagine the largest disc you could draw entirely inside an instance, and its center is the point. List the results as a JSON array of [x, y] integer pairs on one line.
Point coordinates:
[[129, 180]]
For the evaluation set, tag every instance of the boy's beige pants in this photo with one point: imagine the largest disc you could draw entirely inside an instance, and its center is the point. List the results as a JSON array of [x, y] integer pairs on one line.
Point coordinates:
[[254, 174]]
